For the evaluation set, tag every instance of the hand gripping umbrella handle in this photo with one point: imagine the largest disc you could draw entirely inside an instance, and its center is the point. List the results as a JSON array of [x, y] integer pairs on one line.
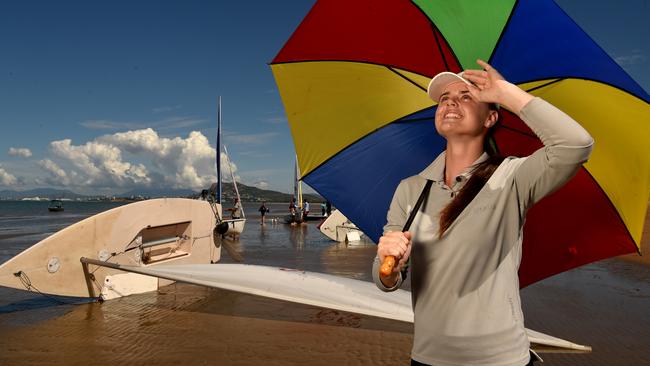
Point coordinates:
[[389, 261]]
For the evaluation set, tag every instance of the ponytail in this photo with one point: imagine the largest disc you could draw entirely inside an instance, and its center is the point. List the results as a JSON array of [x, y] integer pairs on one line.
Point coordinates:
[[479, 176]]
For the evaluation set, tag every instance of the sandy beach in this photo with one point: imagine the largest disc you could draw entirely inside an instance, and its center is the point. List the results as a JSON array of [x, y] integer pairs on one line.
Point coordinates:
[[604, 305]]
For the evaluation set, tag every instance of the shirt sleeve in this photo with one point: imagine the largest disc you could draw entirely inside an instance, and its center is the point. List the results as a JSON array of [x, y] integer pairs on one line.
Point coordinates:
[[397, 211], [566, 147], [396, 218]]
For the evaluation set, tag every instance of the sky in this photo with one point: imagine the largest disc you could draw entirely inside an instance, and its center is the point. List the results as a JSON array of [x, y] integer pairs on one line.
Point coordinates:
[[101, 97]]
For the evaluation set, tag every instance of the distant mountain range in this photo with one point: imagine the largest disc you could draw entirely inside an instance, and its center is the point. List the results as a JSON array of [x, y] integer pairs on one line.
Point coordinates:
[[247, 193]]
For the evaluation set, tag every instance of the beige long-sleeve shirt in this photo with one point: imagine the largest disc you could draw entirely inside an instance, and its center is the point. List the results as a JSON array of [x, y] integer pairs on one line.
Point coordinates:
[[465, 287]]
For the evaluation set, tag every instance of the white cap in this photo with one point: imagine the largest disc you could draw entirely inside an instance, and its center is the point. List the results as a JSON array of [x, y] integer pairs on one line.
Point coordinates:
[[440, 82]]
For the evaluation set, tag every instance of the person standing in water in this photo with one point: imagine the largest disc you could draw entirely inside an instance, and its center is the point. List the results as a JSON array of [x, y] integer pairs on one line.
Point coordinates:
[[465, 245], [263, 210], [305, 210]]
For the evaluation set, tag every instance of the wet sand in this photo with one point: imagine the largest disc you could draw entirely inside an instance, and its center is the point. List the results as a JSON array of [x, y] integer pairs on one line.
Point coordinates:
[[189, 325], [604, 305]]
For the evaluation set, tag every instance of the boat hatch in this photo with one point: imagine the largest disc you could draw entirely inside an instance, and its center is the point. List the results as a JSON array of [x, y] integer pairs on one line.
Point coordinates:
[[163, 243]]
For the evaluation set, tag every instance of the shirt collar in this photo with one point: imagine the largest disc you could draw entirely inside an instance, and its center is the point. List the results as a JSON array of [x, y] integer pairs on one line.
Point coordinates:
[[436, 170]]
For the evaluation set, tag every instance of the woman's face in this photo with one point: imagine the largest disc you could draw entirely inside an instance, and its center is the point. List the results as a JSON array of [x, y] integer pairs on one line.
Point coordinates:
[[460, 115]]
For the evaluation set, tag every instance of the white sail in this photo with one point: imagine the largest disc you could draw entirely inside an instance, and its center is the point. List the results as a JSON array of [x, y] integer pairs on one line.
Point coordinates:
[[317, 289], [234, 182]]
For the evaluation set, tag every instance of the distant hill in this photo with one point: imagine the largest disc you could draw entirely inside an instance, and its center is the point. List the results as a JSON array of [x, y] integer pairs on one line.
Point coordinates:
[[254, 194], [247, 193], [157, 192]]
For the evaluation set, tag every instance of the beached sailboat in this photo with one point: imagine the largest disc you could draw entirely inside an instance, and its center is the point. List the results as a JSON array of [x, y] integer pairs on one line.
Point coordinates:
[[339, 228], [296, 217], [235, 224], [141, 234]]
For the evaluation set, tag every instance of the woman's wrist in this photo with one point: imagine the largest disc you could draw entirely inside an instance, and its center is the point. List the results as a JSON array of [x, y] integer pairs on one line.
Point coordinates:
[[514, 98]]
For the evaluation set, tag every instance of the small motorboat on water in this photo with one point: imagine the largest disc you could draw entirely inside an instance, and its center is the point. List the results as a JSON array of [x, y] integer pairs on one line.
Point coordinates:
[[55, 206]]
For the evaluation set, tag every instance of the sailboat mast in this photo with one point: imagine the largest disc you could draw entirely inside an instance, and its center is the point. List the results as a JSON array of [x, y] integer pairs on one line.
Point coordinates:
[[234, 182], [297, 188], [219, 151]]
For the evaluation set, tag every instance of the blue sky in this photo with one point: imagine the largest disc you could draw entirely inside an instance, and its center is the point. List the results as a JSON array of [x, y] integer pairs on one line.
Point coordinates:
[[104, 96]]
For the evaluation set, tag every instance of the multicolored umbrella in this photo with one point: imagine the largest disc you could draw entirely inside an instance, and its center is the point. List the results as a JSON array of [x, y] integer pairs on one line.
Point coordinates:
[[353, 80]]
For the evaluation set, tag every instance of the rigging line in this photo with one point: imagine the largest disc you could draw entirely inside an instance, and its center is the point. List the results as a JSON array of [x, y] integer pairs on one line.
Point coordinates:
[[24, 279]]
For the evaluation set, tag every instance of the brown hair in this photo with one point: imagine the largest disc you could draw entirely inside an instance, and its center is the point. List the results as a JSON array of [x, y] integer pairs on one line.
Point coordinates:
[[479, 176]]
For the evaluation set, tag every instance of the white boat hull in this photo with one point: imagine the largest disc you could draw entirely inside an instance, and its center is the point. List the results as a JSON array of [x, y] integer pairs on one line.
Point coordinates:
[[337, 227], [235, 226], [144, 234]]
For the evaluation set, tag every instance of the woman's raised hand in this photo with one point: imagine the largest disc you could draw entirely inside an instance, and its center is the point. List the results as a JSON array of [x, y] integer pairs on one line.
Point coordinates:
[[491, 87]]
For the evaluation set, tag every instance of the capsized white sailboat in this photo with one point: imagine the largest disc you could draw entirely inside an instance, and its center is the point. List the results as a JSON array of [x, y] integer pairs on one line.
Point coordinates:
[[141, 234], [235, 225], [317, 289], [339, 228]]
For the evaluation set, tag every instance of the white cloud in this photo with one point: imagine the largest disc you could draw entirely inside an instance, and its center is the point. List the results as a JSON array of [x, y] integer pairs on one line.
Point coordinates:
[[256, 154], [167, 123], [102, 124], [252, 138], [130, 159], [20, 151], [96, 164], [166, 109], [635, 58], [261, 184], [58, 176], [6, 178], [184, 163], [275, 120]]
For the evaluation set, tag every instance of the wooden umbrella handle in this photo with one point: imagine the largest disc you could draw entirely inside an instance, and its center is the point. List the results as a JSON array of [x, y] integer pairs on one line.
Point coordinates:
[[387, 266], [389, 261]]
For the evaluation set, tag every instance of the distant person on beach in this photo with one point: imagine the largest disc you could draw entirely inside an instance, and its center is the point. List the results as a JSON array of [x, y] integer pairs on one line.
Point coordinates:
[[263, 210], [293, 211], [328, 207], [465, 244], [305, 211], [236, 210], [292, 207]]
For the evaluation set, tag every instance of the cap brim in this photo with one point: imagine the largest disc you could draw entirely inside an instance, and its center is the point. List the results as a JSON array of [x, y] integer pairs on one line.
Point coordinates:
[[440, 82]]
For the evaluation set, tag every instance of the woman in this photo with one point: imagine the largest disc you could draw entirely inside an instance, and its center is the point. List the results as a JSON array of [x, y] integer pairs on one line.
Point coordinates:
[[465, 246]]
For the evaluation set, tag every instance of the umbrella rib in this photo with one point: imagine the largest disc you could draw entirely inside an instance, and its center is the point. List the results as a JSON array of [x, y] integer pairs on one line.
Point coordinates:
[[406, 78], [505, 26], [618, 214], [442, 54], [361, 138], [545, 84], [435, 30]]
